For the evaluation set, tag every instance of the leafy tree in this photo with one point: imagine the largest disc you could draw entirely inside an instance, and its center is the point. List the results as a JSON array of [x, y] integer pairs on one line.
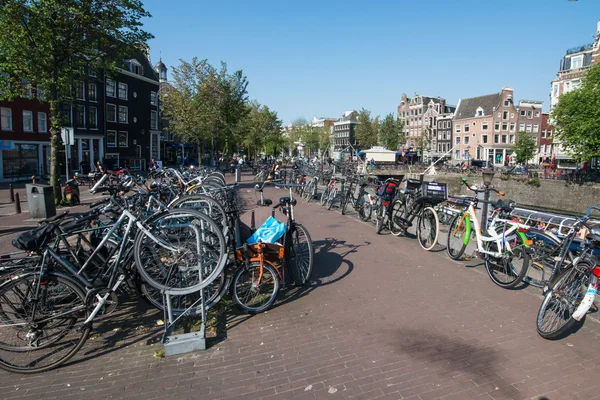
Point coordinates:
[[524, 148], [423, 142], [391, 132], [50, 43], [576, 117], [366, 130], [205, 103]]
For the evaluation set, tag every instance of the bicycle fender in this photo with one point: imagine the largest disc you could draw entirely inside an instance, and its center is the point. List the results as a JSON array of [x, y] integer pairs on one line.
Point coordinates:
[[525, 239], [468, 233], [588, 299]]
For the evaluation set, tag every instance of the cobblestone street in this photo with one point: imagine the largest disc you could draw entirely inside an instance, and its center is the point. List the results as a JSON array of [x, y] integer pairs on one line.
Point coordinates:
[[382, 319]]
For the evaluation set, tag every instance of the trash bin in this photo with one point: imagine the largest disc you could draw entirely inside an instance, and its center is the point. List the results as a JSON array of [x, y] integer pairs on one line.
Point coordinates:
[[40, 199], [238, 174]]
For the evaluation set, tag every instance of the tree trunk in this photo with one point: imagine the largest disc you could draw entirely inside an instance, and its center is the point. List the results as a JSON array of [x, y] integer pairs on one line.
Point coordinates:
[[55, 142]]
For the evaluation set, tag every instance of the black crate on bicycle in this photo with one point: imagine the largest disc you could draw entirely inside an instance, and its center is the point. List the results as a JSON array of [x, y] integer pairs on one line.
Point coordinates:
[[413, 184], [433, 192]]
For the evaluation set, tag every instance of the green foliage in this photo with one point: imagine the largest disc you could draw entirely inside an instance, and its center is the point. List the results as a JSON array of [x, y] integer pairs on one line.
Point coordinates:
[[51, 42], [534, 182], [576, 117], [524, 148], [367, 129], [203, 101], [260, 130], [391, 132]]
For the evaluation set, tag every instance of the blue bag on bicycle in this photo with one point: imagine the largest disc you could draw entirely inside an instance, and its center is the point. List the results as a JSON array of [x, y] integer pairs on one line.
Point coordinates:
[[269, 232]]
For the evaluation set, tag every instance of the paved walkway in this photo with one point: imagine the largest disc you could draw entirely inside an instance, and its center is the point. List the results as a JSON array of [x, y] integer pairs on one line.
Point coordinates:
[[382, 319]]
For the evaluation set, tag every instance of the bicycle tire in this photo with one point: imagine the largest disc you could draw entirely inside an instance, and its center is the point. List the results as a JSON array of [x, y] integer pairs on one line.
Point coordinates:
[[379, 219], [345, 200], [514, 275], [213, 208], [177, 271], [300, 272], [324, 196], [428, 242], [76, 296], [397, 211], [455, 243], [331, 199], [364, 208], [271, 283], [545, 247], [571, 284]]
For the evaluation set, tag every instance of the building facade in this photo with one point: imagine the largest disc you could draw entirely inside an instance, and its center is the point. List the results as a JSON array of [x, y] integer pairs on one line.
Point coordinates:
[[24, 137], [530, 120], [473, 127], [419, 115], [132, 129], [444, 134], [545, 151], [573, 66], [343, 132]]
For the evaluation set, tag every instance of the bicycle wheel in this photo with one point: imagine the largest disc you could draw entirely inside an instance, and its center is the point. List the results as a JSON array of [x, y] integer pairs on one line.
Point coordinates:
[[554, 319], [204, 204], [189, 303], [308, 189], [381, 216], [345, 200], [40, 331], [545, 248], [199, 257], [397, 213], [428, 228], [331, 199], [300, 256], [457, 240], [325, 196], [509, 269], [253, 289], [364, 208]]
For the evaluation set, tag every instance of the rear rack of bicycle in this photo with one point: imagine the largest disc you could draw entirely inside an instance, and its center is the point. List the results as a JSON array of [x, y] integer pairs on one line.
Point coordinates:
[[548, 221]]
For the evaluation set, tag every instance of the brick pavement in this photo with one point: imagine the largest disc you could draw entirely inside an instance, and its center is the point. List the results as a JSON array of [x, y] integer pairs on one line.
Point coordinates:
[[382, 319]]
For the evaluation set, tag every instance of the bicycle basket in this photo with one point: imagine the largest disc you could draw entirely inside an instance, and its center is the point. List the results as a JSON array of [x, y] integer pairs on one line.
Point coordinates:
[[434, 193]]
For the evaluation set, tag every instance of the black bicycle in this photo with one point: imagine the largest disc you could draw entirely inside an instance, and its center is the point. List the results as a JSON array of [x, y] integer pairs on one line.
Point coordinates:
[[356, 195]]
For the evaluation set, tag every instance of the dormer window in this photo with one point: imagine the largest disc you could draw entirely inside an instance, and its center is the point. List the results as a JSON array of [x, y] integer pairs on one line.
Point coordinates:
[[577, 62], [479, 112], [134, 66]]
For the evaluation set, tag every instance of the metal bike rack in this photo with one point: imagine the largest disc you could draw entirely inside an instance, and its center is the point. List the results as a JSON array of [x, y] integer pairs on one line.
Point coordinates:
[[185, 342]]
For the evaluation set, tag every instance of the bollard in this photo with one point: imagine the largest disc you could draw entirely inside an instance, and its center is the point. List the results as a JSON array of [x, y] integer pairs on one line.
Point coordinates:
[[273, 213], [12, 193], [17, 204], [252, 222]]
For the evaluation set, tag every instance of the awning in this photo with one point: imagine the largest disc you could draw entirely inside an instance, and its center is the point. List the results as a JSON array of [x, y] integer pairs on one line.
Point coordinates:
[[360, 153]]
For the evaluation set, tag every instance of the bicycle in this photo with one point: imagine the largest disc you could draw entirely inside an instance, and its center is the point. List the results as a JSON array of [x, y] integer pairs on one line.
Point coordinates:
[[504, 242], [334, 192], [572, 291], [418, 201], [256, 283], [49, 311], [357, 197], [387, 193]]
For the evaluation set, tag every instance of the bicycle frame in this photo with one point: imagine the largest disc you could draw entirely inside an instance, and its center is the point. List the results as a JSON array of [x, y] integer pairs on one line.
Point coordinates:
[[492, 236]]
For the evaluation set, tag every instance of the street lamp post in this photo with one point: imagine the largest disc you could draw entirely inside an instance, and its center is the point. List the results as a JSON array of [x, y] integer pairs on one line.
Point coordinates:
[[488, 177], [212, 150]]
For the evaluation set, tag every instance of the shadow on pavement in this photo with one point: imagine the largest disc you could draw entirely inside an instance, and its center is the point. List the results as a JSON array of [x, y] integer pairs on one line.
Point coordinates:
[[454, 357], [329, 267]]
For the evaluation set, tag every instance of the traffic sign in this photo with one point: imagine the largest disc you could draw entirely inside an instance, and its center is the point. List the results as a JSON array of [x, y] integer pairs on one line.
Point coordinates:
[[68, 136]]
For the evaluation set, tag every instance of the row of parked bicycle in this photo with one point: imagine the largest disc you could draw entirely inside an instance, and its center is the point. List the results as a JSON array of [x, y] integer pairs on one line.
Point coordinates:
[[564, 264], [175, 236]]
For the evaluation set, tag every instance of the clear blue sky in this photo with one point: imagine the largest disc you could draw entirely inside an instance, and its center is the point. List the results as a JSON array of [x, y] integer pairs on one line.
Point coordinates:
[[305, 58]]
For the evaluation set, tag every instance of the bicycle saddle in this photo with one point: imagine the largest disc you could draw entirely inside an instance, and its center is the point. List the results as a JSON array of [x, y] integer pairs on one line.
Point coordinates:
[[286, 200]]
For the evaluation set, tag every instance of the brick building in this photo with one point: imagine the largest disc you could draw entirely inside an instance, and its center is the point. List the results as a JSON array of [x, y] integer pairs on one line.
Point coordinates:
[[419, 115]]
